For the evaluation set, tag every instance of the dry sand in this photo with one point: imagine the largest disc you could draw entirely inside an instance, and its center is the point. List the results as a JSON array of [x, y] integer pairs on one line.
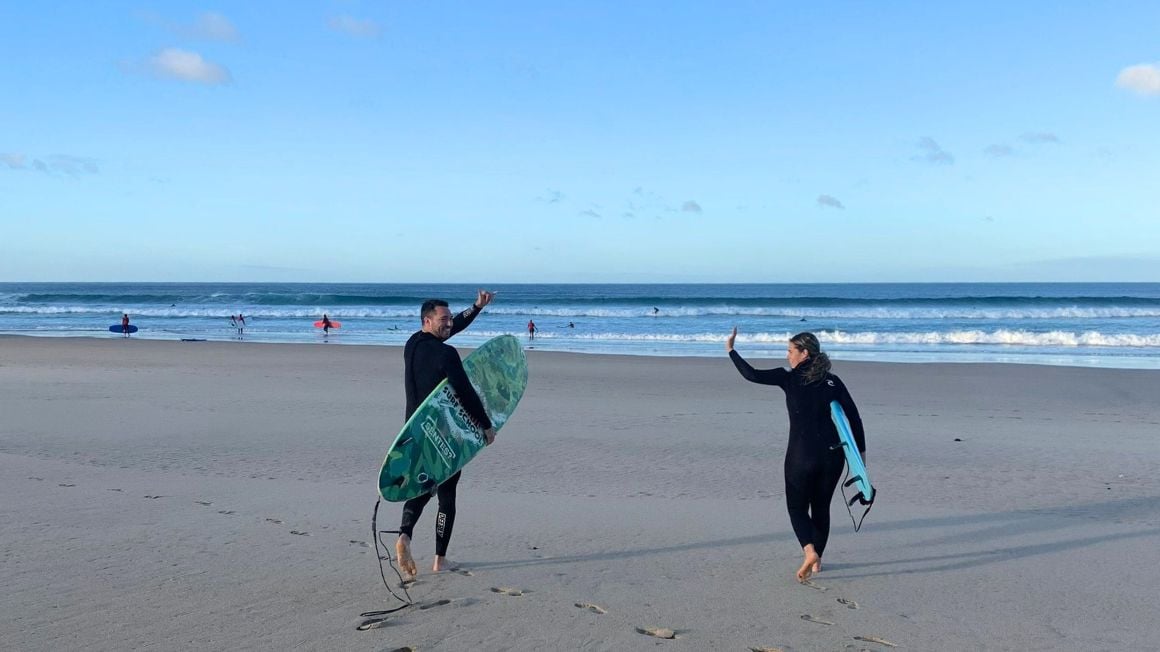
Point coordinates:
[[217, 496]]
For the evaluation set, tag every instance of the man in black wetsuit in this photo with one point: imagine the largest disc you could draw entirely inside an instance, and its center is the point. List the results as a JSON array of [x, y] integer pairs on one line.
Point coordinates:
[[427, 361], [813, 458]]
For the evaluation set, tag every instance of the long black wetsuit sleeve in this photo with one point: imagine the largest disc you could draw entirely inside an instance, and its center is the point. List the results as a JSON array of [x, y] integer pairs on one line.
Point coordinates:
[[457, 378], [852, 416], [464, 319], [760, 376]]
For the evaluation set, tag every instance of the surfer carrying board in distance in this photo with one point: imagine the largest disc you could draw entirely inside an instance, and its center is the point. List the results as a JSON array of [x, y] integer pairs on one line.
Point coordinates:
[[427, 360], [325, 324], [814, 459]]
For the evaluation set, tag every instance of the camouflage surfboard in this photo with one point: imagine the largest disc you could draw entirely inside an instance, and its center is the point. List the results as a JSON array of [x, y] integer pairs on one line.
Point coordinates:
[[439, 438]]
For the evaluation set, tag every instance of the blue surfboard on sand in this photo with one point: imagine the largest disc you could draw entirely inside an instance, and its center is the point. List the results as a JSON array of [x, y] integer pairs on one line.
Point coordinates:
[[116, 328], [861, 477]]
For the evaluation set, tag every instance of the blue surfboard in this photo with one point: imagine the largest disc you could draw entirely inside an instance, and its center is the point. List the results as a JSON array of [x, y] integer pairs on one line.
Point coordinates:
[[116, 328], [861, 476]]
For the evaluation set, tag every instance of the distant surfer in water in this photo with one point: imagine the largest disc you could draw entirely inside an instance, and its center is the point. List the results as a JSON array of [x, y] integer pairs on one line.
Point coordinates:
[[427, 361], [814, 458], [124, 325], [531, 330], [325, 325]]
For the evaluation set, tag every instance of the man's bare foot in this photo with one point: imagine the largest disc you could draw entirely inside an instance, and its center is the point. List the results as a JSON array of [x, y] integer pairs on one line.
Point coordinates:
[[807, 568], [441, 564], [406, 561]]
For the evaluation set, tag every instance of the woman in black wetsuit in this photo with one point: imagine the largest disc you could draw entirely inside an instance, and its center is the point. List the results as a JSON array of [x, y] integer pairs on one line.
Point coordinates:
[[813, 458]]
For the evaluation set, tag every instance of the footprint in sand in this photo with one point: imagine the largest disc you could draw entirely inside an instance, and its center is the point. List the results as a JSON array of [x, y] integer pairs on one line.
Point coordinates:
[[32, 477], [461, 571], [437, 603], [766, 649], [507, 590], [813, 619], [401, 649], [274, 521], [657, 632], [112, 490], [594, 608], [816, 587], [203, 502], [227, 512], [406, 584], [875, 640], [300, 533], [153, 497], [850, 604], [361, 544], [66, 484]]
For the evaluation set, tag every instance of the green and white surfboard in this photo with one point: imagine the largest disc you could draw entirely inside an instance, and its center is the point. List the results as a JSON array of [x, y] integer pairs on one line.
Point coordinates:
[[439, 438]]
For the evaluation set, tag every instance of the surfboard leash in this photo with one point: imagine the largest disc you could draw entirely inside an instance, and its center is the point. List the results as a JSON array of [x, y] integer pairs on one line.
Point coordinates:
[[858, 497], [376, 619]]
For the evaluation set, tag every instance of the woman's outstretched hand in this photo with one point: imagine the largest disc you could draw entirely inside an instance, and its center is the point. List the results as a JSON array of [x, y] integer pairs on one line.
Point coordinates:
[[729, 340]]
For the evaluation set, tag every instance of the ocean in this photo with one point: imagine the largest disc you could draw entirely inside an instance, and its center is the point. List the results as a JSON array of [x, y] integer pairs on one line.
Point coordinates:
[[1078, 324]]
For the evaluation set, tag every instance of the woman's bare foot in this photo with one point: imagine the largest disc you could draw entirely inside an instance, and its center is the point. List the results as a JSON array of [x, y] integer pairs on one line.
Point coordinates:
[[406, 561], [811, 558], [818, 566], [441, 564]]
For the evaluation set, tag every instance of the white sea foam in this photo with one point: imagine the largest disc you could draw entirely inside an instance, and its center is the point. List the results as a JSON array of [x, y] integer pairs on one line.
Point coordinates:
[[956, 337]]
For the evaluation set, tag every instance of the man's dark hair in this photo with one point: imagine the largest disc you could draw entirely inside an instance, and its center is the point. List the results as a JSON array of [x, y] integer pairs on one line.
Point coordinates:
[[429, 307]]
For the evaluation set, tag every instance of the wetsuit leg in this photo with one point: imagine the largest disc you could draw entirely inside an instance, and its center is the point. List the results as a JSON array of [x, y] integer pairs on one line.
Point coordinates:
[[445, 520], [826, 480], [412, 510], [798, 482]]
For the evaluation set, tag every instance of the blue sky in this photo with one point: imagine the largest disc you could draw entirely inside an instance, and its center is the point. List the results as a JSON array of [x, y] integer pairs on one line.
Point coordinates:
[[400, 141]]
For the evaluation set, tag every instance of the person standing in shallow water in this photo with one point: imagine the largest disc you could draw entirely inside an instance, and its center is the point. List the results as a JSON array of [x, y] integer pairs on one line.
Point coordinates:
[[813, 458]]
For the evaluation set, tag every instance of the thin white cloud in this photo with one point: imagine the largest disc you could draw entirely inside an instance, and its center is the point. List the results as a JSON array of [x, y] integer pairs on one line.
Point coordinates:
[[13, 160], [1142, 78], [1039, 138], [552, 197], [932, 153], [208, 26], [214, 27], [355, 27], [999, 151], [173, 63], [829, 201], [690, 207], [73, 166]]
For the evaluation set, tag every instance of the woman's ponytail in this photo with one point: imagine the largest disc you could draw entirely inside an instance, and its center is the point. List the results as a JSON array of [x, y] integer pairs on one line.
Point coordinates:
[[818, 364]]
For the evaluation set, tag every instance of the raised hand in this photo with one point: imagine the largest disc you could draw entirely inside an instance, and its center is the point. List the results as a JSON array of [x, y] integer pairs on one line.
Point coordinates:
[[729, 340]]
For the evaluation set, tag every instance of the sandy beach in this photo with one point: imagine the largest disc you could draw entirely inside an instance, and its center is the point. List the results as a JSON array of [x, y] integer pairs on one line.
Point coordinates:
[[217, 496]]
